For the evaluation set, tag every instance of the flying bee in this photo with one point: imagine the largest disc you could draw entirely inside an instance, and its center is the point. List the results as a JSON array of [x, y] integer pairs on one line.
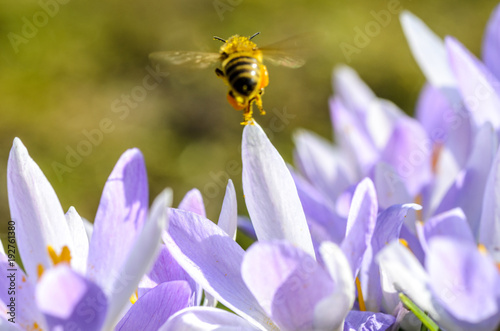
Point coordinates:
[[241, 68]]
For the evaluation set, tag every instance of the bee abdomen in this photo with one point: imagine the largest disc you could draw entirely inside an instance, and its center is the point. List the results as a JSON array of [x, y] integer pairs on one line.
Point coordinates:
[[243, 74]]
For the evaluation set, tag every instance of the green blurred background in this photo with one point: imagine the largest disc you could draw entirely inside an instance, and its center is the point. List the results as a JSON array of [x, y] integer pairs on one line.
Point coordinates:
[[71, 73]]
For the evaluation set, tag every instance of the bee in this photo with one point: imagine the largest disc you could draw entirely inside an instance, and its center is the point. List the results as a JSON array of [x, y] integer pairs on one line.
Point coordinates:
[[241, 68]]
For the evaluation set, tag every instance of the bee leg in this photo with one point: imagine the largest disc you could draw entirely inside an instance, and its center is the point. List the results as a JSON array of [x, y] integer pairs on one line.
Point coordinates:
[[247, 115], [258, 102], [219, 73]]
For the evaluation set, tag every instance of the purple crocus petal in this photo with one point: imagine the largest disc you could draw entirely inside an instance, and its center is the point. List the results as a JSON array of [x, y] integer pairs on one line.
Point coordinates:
[[452, 224], [489, 227], [401, 269], [431, 108], [270, 193], [491, 43], [343, 203], [36, 211], [387, 228], [409, 152], [68, 300], [321, 163], [228, 221], [468, 189], [390, 188], [477, 85], [351, 89], [428, 50], [245, 226], [342, 297], [366, 320], [319, 211], [120, 218], [193, 202], [6, 325], [80, 241], [142, 255], [360, 224], [214, 260], [445, 124], [464, 280], [25, 311], [287, 282], [154, 308], [165, 269], [352, 138], [206, 318], [228, 218]]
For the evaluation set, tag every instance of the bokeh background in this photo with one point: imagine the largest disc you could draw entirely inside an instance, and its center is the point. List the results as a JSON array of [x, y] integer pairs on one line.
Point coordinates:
[[80, 61]]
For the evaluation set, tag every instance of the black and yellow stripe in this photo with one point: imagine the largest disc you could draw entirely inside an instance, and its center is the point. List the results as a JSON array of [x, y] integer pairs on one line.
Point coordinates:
[[242, 73]]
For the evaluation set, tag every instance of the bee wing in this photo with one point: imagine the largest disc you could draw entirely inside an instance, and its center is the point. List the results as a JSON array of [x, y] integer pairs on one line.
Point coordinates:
[[290, 52], [283, 59], [196, 60]]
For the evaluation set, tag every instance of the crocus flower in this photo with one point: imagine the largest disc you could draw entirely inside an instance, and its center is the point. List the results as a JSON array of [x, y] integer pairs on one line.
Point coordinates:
[[282, 281], [69, 281], [174, 289], [459, 285]]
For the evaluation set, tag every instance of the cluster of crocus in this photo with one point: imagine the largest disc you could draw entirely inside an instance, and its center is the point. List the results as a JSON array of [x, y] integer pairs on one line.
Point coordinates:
[[74, 280], [442, 166], [399, 220]]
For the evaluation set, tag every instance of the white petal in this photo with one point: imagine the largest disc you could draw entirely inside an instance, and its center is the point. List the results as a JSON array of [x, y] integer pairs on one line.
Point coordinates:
[[380, 119], [89, 227], [428, 50], [228, 218], [204, 318], [271, 196], [447, 170], [355, 94], [343, 296], [80, 240], [402, 269], [35, 209]]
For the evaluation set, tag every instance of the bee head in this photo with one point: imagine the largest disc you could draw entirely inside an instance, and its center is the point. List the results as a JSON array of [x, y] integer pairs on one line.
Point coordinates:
[[237, 44]]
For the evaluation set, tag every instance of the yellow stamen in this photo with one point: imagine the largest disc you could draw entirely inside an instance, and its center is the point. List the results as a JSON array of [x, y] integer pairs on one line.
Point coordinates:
[[134, 297], [436, 153], [39, 271], [65, 255], [404, 243], [361, 301], [483, 250], [418, 201]]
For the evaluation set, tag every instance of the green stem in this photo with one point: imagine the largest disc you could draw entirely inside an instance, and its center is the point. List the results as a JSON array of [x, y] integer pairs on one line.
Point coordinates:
[[427, 322]]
